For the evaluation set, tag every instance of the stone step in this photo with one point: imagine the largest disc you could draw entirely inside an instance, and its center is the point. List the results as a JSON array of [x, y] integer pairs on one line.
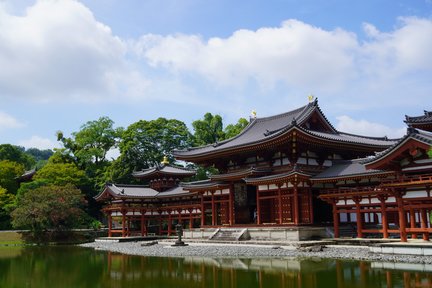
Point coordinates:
[[229, 235]]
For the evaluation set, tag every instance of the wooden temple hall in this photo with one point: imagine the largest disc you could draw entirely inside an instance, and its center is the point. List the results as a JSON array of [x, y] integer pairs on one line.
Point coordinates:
[[289, 170]]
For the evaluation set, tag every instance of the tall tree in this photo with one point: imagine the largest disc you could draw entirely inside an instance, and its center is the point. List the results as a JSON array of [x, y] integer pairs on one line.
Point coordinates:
[[92, 143], [145, 143], [232, 130], [16, 154], [208, 130], [7, 203], [9, 172]]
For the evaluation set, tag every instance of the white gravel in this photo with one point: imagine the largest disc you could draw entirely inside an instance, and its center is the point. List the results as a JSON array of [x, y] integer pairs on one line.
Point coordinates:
[[164, 249]]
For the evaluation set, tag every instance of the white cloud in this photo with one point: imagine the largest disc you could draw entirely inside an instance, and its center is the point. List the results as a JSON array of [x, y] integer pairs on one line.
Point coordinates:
[[57, 50], [7, 121], [385, 69], [400, 52], [364, 127], [39, 142], [295, 53]]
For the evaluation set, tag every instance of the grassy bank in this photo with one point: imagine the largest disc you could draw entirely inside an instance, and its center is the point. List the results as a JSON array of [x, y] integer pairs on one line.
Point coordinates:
[[10, 238]]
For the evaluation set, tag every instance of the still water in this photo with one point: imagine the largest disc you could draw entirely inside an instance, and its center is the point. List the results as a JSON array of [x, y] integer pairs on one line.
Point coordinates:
[[84, 267]]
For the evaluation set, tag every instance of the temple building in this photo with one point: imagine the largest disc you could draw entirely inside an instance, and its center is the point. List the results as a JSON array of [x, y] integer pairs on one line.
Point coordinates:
[[290, 170], [134, 210]]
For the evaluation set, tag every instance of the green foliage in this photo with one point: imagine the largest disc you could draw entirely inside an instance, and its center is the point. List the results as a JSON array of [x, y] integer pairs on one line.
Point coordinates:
[[91, 144], [145, 143], [202, 173], [38, 154], [234, 129], [430, 152], [16, 154], [7, 203], [62, 174], [9, 172], [27, 186], [49, 207], [120, 171], [61, 156], [208, 130]]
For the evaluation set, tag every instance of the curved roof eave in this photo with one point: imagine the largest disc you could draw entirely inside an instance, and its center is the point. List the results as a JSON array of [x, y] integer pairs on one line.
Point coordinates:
[[413, 136]]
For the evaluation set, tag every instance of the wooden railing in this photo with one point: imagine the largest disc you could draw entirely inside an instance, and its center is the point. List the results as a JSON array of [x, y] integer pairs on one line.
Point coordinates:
[[408, 181]]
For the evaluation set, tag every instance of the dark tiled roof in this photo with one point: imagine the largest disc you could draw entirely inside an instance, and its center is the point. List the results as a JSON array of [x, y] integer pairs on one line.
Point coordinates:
[[138, 192], [265, 129], [27, 175], [277, 177], [241, 174], [354, 139], [346, 168], [259, 129], [162, 170], [423, 119], [419, 135], [176, 191], [204, 184]]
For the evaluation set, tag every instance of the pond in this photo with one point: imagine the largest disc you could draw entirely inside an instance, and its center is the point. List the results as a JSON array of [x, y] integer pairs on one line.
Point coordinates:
[[71, 266]]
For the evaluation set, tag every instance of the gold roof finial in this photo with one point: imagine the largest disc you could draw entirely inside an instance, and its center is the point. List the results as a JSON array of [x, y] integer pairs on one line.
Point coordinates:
[[165, 160], [310, 98], [253, 114]]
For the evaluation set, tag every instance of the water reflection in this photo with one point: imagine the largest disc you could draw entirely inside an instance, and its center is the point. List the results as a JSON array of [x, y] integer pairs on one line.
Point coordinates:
[[80, 267], [263, 272]]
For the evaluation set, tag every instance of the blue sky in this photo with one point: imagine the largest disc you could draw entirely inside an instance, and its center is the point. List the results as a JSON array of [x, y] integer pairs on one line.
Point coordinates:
[[63, 63]]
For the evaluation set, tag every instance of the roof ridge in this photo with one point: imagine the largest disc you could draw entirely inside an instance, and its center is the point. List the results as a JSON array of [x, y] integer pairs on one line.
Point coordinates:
[[384, 138], [281, 115], [118, 186]]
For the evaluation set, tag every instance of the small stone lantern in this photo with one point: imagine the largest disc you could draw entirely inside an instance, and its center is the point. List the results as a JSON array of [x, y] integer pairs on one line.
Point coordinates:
[[179, 232]]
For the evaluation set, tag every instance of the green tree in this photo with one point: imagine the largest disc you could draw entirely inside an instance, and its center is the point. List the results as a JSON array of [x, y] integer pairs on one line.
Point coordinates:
[[7, 203], [430, 152], [145, 143], [49, 207], [62, 174], [91, 144], [232, 130], [38, 154], [16, 154], [208, 130], [9, 172]]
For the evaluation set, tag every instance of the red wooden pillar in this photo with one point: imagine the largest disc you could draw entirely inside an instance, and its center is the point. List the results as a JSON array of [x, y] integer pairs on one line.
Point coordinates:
[[160, 222], [296, 204], [128, 232], [311, 215], [280, 204], [384, 220], [424, 224], [109, 224], [169, 222], [231, 205], [357, 201], [335, 219], [402, 220], [179, 211], [123, 222], [412, 222], [213, 209], [202, 210], [258, 220], [190, 219], [142, 222]]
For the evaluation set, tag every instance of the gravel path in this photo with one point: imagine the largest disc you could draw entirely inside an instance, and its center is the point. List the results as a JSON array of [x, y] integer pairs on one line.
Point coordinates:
[[164, 249]]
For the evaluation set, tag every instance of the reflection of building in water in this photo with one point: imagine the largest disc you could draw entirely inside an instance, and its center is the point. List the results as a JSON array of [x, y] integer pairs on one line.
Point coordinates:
[[262, 272]]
